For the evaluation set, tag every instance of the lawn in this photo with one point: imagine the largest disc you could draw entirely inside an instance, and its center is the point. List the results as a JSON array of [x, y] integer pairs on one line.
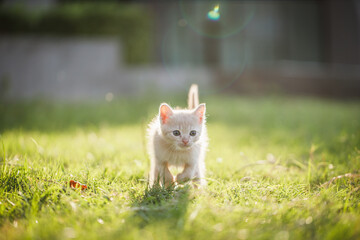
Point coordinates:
[[269, 165]]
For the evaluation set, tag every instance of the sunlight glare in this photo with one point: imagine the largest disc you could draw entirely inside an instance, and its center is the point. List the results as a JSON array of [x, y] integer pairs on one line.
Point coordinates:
[[214, 13]]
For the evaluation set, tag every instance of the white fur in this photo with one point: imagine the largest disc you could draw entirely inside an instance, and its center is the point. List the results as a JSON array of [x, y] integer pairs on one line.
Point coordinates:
[[167, 150]]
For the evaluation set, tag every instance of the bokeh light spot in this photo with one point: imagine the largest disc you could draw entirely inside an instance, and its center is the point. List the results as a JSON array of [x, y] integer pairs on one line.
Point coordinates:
[[214, 20], [214, 13]]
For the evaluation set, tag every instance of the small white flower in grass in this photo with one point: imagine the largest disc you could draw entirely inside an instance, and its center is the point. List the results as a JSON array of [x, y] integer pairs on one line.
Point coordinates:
[[109, 96], [219, 160], [15, 223], [309, 220], [100, 221], [36, 221], [331, 166]]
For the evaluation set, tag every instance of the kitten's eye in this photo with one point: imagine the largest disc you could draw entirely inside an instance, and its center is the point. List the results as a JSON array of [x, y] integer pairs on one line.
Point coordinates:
[[192, 133], [176, 133]]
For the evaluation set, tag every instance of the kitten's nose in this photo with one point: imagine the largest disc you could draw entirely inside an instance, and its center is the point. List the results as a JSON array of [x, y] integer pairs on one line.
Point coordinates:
[[185, 141]]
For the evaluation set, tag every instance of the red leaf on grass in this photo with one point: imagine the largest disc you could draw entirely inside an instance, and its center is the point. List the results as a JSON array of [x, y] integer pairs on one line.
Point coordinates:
[[75, 185]]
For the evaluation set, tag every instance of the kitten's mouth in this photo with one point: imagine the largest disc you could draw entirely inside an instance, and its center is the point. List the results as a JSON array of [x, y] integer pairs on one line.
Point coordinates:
[[185, 146]]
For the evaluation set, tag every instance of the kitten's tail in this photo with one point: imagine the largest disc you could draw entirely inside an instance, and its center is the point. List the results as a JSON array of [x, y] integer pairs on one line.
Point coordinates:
[[193, 97]]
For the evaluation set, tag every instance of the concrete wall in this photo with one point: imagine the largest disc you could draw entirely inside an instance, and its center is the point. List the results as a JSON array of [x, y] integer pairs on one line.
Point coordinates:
[[78, 68], [92, 68]]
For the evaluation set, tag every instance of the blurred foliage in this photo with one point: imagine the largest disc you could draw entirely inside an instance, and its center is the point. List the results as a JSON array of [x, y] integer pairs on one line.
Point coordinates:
[[130, 22]]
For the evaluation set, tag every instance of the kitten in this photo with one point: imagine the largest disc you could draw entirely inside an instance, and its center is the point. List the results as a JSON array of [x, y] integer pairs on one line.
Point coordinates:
[[178, 137]]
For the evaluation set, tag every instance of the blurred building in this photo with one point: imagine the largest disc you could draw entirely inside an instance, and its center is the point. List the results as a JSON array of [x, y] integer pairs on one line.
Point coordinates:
[[303, 47], [253, 47]]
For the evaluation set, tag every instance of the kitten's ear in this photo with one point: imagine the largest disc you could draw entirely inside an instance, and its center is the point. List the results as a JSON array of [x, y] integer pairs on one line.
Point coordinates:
[[200, 112], [165, 112]]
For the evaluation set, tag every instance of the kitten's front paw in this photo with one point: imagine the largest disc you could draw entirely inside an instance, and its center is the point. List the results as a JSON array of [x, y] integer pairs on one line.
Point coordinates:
[[181, 177], [169, 183]]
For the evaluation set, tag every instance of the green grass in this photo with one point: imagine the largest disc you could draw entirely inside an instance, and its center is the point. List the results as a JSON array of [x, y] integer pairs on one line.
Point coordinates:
[[267, 160]]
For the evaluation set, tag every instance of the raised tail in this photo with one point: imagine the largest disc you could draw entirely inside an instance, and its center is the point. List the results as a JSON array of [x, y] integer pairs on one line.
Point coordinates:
[[193, 98]]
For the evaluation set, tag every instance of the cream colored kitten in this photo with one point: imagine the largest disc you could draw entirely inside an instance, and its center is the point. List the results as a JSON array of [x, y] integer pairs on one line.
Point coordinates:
[[178, 138]]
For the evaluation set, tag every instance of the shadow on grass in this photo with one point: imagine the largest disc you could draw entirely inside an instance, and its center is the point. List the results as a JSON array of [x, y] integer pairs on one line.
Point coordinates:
[[159, 204]]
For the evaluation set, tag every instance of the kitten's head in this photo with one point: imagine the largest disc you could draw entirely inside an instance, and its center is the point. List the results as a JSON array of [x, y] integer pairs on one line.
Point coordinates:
[[181, 128]]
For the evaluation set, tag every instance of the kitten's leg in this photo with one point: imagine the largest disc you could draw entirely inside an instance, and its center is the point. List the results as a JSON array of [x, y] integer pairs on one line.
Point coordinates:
[[154, 175], [199, 177], [187, 174], [161, 174], [166, 177]]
